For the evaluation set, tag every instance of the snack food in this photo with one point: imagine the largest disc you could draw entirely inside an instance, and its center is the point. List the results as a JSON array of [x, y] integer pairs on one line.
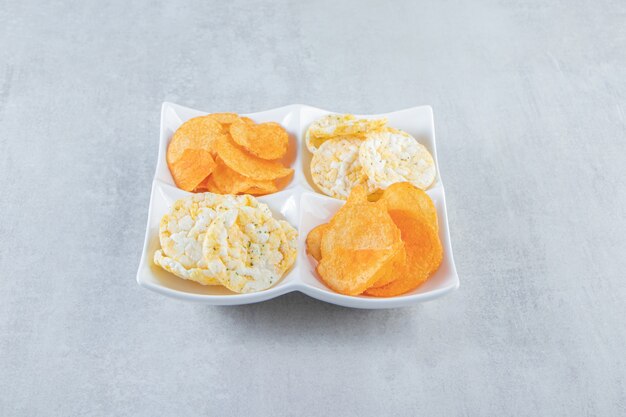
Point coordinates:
[[231, 182], [406, 197], [358, 252], [249, 165], [191, 168], [182, 233], [314, 241], [208, 184], [336, 169], [348, 151], [224, 239], [336, 125], [388, 272], [242, 249], [265, 140], [392, 156], [288, 247], [197, 133], [224, 118], [424, 255], [376, 248], [249, 155], [359, 240]]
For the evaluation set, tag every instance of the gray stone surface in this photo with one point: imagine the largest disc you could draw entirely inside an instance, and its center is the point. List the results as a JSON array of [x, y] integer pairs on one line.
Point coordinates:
[[530, 111]]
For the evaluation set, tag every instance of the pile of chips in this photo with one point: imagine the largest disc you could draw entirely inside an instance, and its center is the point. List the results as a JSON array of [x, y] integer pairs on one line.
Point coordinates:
[[348, 151], [227, 154], [226, 240], [383, 248]]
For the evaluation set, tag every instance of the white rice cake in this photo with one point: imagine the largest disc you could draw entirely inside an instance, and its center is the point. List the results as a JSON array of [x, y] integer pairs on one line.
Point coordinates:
[[392, 156], [199, 275], [247, 249], [288, 247], [336, 168], [183, 229], [336, 125]]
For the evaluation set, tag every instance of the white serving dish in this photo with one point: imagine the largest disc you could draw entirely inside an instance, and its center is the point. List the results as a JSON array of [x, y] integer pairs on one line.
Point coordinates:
[[300, 204]]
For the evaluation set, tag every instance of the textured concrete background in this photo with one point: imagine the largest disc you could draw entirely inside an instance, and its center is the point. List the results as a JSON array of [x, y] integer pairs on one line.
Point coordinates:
[[530, 111]]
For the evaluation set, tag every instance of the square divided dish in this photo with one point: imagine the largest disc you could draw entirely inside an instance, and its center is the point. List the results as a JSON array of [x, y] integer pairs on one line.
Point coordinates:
[[301, 205]]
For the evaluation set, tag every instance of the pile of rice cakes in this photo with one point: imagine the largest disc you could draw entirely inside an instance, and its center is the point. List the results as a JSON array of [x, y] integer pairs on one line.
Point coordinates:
[[349, 151], [226, 240]]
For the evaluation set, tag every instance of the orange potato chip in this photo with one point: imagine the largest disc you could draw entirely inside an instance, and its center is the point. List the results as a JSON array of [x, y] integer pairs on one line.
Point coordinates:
[[406, 196], [231, 182], [375, 196], [359, 240], [256, 190], [357, 195], [192, 168], [197, 133], [314, 241], [265, 140], [314, 238], [224, 118], [249, 165], [389, 271], [247, 120], [203, 186], [212, 187], [423, 254], [361, 226], [351, 272], [208, 185]]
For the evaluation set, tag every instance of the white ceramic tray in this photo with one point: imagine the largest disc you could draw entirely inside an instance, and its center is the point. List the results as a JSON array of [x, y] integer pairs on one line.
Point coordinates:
[[302, 205]]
